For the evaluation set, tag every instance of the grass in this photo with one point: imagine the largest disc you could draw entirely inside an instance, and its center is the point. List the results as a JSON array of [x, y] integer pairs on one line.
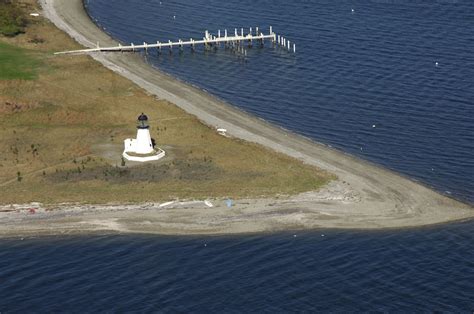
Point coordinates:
[[62, 132], [16, 63]]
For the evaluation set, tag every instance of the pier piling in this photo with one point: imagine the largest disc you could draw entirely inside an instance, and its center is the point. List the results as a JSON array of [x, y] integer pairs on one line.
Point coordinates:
[[236, 42]]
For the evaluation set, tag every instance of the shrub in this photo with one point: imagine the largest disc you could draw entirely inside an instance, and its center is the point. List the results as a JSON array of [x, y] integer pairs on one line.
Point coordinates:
[[12, 18]]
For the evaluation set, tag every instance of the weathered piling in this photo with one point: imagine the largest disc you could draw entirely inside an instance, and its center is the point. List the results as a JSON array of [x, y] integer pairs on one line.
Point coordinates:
[[237, 41]]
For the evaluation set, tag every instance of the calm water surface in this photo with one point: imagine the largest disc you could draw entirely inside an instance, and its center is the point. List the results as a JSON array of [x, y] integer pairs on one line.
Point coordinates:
[[411, 270], [352, 70]]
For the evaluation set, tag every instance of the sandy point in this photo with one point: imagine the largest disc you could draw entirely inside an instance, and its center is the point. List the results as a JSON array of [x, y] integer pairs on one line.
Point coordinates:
[[365, 196]]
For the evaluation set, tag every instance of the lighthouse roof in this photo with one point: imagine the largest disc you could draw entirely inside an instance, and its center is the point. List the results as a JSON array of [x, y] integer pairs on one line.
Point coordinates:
[[142, 117]]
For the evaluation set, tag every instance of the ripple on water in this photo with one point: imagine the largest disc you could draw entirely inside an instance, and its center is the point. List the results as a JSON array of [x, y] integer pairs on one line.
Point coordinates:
[[405, 270]]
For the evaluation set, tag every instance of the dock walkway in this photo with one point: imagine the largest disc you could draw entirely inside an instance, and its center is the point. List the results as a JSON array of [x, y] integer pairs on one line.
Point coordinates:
[[208, 41]]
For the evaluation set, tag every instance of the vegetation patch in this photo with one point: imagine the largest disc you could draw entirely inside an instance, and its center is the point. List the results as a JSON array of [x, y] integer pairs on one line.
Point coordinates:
[[176, 170], [12, 18], [17, 63], [7, 106]]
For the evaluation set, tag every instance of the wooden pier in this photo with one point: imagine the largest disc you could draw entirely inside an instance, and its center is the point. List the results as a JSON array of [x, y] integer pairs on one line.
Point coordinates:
[[209, 40]]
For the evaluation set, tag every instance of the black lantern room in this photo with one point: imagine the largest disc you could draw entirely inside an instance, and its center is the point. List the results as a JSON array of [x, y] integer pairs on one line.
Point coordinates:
[[142, 122]]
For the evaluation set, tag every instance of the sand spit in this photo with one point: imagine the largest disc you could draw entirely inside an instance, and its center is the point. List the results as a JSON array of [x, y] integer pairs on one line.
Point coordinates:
[[364, 197]]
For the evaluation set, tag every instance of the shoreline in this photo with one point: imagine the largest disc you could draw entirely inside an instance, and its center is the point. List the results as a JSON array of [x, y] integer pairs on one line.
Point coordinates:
[[223, 102], [365, 196]]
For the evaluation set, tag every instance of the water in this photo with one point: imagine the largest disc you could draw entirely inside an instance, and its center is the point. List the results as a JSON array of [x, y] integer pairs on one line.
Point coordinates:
[[374, 66], [414, 270]]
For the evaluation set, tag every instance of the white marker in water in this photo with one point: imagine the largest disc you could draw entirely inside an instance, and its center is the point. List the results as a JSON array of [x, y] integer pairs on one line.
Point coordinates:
[[436, 63], [352, 10]]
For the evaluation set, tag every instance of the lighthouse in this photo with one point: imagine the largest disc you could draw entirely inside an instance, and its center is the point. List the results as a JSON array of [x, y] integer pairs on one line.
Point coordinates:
[[142, 148]]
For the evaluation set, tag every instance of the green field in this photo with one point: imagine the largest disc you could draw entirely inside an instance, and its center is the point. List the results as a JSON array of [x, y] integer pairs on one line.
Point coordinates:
[[16, 63]]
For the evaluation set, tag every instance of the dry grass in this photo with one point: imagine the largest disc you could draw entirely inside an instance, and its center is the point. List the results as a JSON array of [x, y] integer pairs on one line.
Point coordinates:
[[47, 142]]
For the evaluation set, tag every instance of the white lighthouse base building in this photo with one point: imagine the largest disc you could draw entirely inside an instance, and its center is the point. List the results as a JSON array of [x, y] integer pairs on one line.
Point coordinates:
[[141, 148]]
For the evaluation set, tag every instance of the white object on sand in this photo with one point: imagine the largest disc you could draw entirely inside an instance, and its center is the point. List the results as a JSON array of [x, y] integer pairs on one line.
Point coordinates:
[[166, 204], [34, 14], [222, 131], [208, 203]]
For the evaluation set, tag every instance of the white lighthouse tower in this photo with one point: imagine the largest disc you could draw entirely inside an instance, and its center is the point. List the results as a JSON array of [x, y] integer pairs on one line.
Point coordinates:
[[142, 148]]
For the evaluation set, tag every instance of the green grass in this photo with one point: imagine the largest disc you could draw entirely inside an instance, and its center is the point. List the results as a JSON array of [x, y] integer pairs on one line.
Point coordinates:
[[16, 63]]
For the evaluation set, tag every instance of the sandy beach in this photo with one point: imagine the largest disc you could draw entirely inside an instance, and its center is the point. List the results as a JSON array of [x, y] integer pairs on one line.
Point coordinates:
[[365, 196]]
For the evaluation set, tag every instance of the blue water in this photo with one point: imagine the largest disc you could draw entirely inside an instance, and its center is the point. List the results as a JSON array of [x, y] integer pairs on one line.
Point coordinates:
[[396, 271], [375, 66]]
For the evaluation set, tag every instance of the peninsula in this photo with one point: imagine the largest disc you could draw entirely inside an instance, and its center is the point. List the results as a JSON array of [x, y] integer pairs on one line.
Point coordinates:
[[261, 179]]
